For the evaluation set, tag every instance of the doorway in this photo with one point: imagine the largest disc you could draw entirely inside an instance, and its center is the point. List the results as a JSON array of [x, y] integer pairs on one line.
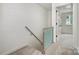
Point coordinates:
[[64, 25]]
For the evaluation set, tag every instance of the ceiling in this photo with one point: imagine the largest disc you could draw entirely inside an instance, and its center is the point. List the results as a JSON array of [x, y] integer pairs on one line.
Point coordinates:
[[46, 5]]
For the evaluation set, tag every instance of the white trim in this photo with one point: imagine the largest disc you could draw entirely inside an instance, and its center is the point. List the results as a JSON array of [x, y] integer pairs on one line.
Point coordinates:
[[75, 25]]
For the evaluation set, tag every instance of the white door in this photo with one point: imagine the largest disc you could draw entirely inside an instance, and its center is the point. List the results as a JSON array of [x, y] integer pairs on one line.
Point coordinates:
[[64, 25]]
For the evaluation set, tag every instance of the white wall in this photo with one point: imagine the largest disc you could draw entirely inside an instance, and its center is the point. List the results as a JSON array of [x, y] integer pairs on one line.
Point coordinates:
[[14, 18], [50, 18]]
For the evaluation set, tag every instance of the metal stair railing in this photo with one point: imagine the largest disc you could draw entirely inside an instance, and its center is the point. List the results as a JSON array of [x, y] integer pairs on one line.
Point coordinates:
[[42, 44]]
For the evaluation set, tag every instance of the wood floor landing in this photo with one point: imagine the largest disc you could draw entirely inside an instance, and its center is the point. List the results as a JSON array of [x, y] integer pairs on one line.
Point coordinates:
[[26, 51]]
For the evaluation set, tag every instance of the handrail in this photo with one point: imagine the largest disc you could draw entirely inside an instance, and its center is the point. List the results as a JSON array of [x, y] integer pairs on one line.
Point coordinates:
[[34, 35], [42, 44]]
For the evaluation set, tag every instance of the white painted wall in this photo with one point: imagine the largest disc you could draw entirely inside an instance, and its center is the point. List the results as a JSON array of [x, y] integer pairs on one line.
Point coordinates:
[[50, 18], [13, 18]]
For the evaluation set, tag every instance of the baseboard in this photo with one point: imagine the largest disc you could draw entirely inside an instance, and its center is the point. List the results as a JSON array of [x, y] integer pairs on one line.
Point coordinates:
[[12, 50]]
